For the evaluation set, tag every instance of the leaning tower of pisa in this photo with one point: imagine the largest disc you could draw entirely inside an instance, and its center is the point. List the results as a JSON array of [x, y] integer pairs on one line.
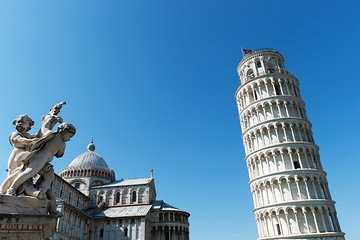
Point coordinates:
[[288, 184]]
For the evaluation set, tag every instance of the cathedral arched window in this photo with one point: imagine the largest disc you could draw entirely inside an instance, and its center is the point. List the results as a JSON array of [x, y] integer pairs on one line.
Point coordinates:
[[100, 198], [77, 185], [167, 233], [117, 197], [133, 196]]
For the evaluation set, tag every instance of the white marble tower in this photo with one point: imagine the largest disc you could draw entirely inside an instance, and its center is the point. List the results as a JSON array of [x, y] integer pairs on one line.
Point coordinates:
[[288, 184]]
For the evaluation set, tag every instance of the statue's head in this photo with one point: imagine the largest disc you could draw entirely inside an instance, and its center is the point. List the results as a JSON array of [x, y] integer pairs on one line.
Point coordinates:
[[67, 130], [23, 123]]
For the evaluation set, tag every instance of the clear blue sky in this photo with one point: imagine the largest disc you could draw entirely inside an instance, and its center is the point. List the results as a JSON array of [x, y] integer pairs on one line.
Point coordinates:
[[153, 82]]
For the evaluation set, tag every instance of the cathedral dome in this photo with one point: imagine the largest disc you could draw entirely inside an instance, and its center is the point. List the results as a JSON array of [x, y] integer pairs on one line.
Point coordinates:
[[89, 159], [89, 164]]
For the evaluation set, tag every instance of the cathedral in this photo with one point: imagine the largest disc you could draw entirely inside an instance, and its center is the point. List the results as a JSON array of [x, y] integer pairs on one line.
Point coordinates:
[[96, 206]]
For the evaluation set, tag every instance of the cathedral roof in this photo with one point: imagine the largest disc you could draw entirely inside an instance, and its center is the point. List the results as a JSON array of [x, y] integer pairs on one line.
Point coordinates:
[[127, 182], [124, 211], [89, 159], [161, 205]]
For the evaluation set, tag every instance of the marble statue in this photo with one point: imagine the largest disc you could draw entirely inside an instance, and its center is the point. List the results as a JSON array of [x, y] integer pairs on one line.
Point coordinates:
[[48, 121], [40, 156], [21, 140], [32, 154]]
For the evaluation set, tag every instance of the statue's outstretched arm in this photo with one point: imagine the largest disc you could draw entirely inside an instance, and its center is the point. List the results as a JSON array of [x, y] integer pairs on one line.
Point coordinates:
[[20, 142], [49, 120]]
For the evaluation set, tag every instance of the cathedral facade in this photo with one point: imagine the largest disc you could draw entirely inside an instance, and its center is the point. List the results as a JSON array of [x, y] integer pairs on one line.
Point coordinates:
[[96, 206]]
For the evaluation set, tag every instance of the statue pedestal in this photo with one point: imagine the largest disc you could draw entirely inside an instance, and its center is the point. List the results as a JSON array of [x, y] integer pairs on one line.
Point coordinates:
[[25, 218]]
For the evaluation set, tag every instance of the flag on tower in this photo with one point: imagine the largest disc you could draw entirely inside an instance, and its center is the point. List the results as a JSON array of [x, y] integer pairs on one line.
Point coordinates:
[[246, 51]]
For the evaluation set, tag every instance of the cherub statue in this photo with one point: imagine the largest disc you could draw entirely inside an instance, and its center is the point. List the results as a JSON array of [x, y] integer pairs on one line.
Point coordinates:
[[39, 158], [21, 140], [32, 154]]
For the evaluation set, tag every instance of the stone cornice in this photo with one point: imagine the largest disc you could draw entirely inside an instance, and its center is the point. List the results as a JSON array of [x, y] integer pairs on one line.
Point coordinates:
[[289, 173], [273, 98], [323, 235], [265, 75], [277, 121], [295, 203], [281, 145]]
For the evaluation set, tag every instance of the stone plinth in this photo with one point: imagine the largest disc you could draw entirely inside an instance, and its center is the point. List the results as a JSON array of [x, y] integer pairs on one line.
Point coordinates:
[[25, 218], [23, 205]]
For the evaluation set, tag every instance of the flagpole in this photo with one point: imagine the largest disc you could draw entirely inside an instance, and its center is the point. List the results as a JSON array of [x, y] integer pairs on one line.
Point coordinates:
[[242, 51]]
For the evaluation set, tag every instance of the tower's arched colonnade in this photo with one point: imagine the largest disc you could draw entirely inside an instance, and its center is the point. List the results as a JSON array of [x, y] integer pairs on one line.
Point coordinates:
[[290, 192]]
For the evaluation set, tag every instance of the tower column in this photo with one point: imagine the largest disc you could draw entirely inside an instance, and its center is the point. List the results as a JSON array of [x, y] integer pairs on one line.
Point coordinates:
[[315, 220], [288, 222]]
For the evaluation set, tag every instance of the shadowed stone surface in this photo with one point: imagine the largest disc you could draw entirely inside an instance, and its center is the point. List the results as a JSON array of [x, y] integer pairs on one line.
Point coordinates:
[[25, 218], [26, 226], [23, 205]]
